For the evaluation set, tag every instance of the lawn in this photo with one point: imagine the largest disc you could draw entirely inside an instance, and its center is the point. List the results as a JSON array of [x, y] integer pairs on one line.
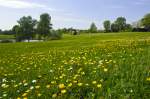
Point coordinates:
[[86, 66], [6, 37]]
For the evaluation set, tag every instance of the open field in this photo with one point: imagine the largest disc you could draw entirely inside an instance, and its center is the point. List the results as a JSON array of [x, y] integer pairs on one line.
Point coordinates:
[[87, 66], [6, 37]]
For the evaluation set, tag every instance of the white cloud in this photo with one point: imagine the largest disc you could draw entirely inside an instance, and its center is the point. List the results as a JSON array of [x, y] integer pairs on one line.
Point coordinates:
[[18, 4], [141, 2], [116, 7]]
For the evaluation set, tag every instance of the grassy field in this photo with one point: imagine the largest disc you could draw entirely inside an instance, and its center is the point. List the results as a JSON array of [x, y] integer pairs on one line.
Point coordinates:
[[87, 66], [6, 37]]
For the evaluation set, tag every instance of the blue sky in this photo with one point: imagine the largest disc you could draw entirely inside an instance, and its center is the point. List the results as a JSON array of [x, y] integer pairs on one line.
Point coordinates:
[[72, 13]]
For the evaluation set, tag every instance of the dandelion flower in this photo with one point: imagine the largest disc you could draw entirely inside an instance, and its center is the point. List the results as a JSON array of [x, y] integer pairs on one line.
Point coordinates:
[[105, 69], [39, 95], [70, 85], [47, 86], [63, 91], [37, 87], [25, 94], [25, 98], [61, 86], [148, 79], [94, 82], [99, 86], [54, 95], [80, 84], [74, 81]]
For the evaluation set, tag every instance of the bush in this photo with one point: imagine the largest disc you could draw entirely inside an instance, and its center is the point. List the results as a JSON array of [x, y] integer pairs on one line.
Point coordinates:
[[6, 41], [55, 35]]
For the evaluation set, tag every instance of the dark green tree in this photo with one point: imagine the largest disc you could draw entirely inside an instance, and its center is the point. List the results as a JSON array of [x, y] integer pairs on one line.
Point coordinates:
[[114, 27], [107, 25], [121, 22], [128, 28], [26, 26], [18, 33], [44, 25], [93, 28], [146, 21]]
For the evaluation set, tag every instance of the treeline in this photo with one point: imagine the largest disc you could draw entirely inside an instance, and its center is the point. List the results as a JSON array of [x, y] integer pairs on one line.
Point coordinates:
[[29, 28], [120, 25]]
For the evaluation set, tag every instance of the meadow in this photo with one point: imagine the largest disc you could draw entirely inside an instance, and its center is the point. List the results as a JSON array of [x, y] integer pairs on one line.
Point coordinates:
[[86, 66]]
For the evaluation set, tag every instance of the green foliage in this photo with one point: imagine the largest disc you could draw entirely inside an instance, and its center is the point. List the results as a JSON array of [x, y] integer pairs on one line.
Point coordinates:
[[114, 27], [55, 35], [128, 28], [89, 66], [25, 29], [121, 22], [146, 21], [107, 25], [93, 28], [44, 25]]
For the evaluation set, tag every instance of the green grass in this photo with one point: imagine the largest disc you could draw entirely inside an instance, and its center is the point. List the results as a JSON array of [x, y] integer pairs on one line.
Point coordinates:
[[6, 37], [90, 66]]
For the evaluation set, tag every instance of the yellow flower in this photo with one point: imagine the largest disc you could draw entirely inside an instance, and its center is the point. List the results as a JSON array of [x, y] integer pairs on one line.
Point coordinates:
[[70, 85], [74, 81], [25, 94], [99, 86], [24, 81], [39, 94], [61, 86], [53, 82], [15, 85], [25, 98], [54, 95], [37, 87], [105, 69], [63, 91], [47, 86], [94, 82], [18, 98], [148, 79], [27, 91], [80, 84]]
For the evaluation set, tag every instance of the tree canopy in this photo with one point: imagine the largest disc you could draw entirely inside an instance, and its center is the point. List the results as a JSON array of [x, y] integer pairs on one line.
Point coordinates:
[[93, 28], [44, 25], [121, 22], [146, 21], [107, 25]]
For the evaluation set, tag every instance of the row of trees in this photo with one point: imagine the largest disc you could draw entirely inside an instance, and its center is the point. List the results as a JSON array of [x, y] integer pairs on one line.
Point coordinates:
[[120, 25], [28, 28]]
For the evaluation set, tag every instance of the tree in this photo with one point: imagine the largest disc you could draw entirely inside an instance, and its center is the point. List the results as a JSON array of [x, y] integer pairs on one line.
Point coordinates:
[[26, 26], [128, 28], [44, 25], [107, 25], [93, 28], [146, 21], [114, 27], [121, 22], [18, 33]]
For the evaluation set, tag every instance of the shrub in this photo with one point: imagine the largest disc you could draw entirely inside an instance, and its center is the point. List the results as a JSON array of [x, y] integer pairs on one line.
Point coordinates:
[[55, 35], [6, 41]]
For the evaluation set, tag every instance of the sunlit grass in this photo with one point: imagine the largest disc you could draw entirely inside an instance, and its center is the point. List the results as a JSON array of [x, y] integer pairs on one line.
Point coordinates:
[[83, 66]]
